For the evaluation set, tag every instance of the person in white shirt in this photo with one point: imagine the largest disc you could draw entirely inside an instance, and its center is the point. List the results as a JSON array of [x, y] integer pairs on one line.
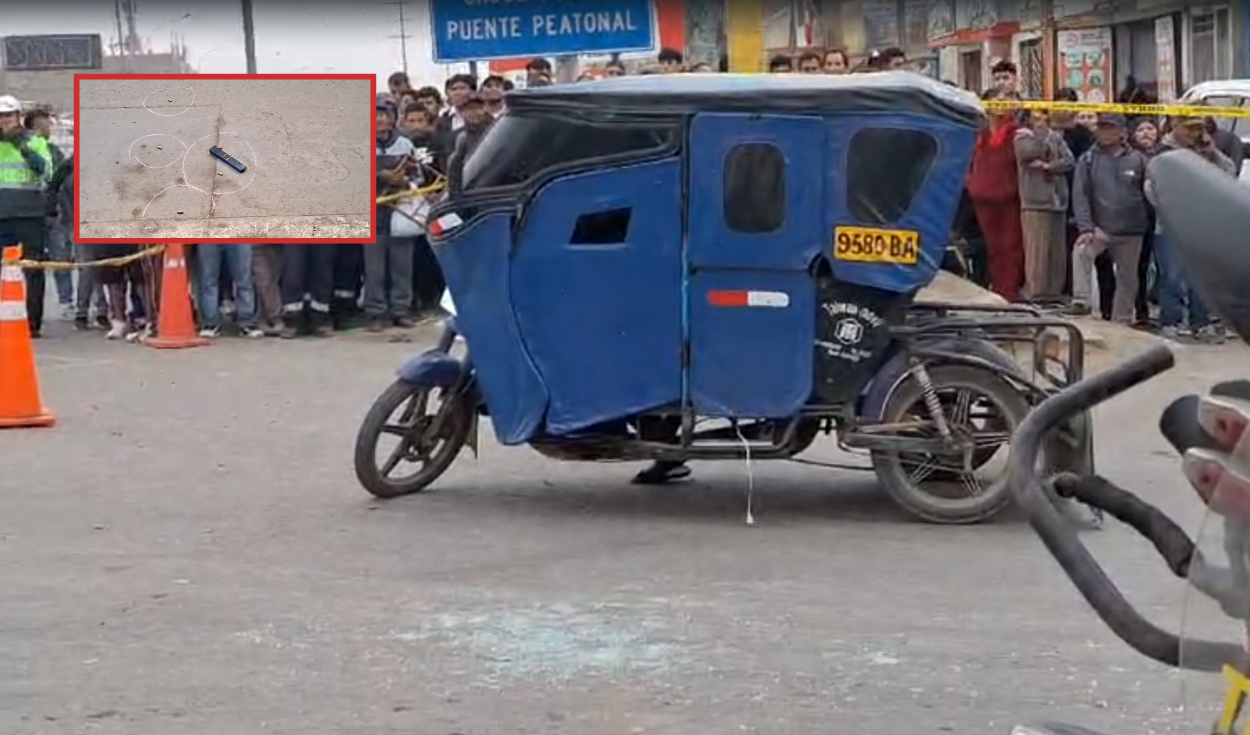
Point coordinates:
[[494, 87], [459, 89]]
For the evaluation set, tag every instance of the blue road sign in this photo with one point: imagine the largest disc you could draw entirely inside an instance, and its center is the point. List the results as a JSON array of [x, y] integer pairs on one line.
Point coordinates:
[[466, 30]]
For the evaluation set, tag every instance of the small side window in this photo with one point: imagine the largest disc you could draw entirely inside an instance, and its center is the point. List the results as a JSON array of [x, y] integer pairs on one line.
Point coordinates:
[[885, 169], [755, 188], [602, 228]]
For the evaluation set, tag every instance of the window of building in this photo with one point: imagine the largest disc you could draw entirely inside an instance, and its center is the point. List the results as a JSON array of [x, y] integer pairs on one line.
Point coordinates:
[[755, 188], [885, 170]]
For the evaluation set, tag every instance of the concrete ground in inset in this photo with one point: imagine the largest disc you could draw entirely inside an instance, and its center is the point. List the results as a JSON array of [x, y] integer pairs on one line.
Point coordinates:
[[188, 552], [144, 170]]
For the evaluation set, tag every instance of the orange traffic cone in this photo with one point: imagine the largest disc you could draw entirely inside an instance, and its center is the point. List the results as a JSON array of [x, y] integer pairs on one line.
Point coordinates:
[[20, 404], [175, 327]]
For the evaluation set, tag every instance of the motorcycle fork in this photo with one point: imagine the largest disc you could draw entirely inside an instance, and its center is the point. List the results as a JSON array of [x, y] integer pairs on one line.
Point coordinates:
[[458, 391]]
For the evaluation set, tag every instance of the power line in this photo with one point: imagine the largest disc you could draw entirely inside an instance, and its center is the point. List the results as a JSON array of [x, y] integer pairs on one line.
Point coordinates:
[[403, 32]]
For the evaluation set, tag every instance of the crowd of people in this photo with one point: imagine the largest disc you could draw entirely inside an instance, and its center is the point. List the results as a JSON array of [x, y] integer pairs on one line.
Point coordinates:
[[1057, 211]]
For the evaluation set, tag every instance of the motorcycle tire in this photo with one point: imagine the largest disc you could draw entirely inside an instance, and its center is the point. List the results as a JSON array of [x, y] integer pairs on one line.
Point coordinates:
[[889, 466], [371, 430]]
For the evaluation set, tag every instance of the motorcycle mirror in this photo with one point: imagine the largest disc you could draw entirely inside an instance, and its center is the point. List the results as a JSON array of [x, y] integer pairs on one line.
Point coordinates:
[[1206, 213]]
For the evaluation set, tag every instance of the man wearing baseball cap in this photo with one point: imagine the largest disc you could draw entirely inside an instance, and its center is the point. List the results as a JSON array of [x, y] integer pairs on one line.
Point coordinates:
[[1182, 312], [25, 167], [1109, 206]]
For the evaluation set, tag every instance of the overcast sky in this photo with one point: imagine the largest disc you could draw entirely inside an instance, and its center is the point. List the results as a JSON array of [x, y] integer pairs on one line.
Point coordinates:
[[292, 36]]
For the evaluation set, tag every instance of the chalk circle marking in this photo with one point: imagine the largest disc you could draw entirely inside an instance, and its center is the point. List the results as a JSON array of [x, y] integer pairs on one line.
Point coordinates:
[[251, 167], [154, 135], [168, 114]]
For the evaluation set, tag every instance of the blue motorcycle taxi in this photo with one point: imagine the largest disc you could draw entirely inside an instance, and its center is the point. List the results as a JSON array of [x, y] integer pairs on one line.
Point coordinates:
[[717, 267]]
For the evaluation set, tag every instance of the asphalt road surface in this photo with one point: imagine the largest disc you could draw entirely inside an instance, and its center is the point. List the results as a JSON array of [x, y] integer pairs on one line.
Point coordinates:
[[145, 170], [188, 553]]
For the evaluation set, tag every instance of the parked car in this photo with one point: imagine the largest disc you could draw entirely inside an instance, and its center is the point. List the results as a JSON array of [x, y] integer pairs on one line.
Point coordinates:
[[1226, 93]]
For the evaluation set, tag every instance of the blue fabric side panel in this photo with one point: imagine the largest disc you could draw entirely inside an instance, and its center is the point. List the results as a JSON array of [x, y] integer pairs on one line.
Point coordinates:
[[475, 263], [751, 362], [931, 212], [603, 322], [795, 244]]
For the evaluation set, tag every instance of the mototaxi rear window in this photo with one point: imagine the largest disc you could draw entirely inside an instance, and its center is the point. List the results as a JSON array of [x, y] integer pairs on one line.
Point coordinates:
[[520, 147], [885, 170]]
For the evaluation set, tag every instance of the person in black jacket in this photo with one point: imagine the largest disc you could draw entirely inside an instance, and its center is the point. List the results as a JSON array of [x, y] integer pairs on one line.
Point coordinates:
[[40, 122], [1080, 139]]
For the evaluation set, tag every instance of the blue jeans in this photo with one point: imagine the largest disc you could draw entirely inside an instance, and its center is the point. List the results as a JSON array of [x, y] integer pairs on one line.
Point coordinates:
[[238, 258], [61, 249], [1177, 299]]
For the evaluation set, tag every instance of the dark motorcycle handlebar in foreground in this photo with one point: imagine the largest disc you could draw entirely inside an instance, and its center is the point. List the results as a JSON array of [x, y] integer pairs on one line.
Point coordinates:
[[1207, 215]]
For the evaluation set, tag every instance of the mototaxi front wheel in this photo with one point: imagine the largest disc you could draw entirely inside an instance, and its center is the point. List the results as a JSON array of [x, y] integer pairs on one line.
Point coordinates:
[[982, 411], [432, 425]]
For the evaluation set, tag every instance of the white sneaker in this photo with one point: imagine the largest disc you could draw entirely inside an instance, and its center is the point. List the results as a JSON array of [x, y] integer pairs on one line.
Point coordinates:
[[252, 332], [117, 331], [140, 335], [69, 312], [210, 332]]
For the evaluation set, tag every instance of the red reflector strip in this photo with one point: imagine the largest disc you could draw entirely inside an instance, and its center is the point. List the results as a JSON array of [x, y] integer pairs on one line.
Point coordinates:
[[727, 298], [765, 299], [443, 224]]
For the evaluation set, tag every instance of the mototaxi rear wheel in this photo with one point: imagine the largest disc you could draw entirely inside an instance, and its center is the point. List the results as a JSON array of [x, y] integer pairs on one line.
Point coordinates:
[[424, 439], [981, 408]]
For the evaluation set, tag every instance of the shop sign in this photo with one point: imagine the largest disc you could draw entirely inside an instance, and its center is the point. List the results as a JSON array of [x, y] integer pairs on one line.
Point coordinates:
[[1085, 63]]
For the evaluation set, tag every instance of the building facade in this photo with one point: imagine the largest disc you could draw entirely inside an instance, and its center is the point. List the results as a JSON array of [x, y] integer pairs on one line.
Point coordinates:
[[1167, 46], [55, 87], [1164, 45]]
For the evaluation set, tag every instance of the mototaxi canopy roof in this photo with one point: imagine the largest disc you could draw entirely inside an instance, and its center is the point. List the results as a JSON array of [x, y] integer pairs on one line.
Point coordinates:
[[673, 95]]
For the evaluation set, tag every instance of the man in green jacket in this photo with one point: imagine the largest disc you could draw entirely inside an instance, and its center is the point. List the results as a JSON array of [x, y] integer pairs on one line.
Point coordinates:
[[25, 166]]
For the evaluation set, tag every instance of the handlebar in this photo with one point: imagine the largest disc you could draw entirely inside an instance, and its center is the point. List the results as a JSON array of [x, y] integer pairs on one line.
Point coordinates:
[[1172, 543], [1064, 544]]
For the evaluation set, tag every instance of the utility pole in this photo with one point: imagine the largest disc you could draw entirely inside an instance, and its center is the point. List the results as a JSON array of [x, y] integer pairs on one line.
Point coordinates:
[[1048, 49], [121, 37], [403, 33], [249, 37]]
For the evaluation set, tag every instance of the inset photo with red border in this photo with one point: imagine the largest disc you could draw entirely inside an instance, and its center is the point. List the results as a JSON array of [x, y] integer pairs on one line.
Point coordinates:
[[224, 158]]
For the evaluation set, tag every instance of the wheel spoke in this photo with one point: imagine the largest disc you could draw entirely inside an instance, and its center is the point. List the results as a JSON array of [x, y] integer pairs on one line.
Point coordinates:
[[398, 454], [990, 439], [924, 469], [969, 482], [960, 413], [397, 430]]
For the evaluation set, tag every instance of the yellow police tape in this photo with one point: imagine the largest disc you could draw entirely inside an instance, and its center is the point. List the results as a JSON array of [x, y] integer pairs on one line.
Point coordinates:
[[55, 265], [1116, 108], [437, 186]]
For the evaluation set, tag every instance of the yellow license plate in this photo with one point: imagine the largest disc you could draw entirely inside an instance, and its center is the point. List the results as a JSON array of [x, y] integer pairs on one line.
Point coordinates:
[[873, 245]]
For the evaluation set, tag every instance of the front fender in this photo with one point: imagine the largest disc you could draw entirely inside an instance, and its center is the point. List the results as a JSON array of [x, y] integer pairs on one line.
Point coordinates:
[[435, 368], [875, 396]]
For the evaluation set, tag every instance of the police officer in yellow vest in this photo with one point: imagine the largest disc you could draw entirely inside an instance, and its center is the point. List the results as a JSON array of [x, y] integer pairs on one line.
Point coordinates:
[[25, 165]]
